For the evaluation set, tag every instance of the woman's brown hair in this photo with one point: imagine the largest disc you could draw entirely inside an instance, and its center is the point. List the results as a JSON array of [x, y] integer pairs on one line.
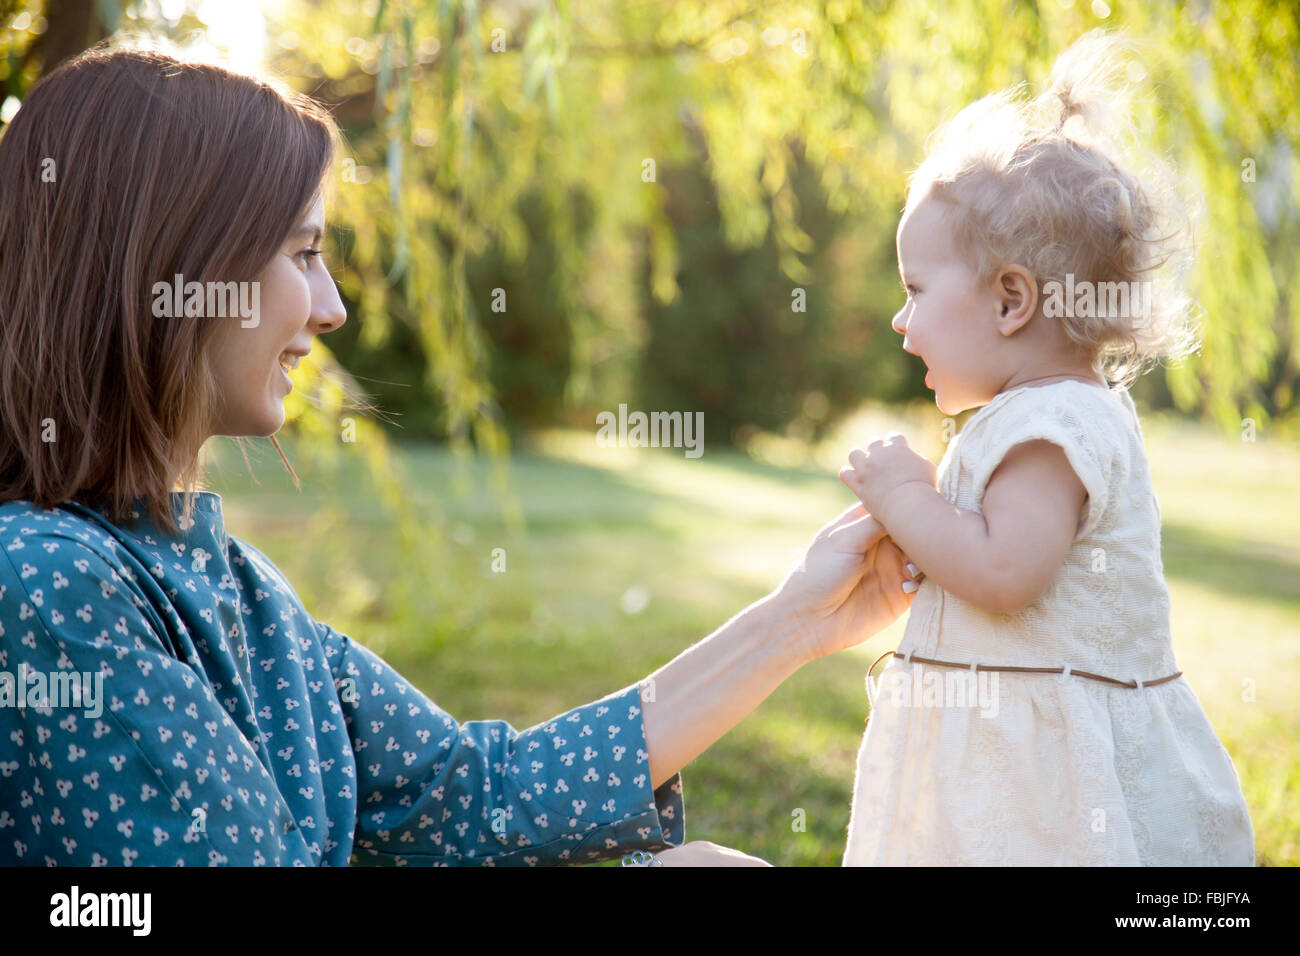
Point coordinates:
[[124, 168]]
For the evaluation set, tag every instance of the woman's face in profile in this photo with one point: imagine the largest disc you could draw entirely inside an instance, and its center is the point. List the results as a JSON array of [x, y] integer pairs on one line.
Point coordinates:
[[297, 300]]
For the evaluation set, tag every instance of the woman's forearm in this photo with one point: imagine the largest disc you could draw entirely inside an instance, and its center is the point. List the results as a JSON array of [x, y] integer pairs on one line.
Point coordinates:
[[707, 689]]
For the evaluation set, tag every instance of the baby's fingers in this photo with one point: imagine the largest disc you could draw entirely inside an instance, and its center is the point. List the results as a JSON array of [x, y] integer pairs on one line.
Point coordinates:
[[853, 479]]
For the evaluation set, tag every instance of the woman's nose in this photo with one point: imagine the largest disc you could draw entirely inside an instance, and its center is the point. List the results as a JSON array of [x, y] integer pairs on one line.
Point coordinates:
[[327, 311]]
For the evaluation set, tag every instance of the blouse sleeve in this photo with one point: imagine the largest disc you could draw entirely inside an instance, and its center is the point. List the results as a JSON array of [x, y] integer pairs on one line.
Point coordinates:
[[1080, 431], [574, 789], [141, 765]]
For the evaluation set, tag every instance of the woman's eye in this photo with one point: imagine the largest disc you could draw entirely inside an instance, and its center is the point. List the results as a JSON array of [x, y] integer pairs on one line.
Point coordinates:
[[309, 252]]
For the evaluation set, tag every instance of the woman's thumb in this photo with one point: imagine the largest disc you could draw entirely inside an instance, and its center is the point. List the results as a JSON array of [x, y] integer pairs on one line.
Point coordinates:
[[861, 535]]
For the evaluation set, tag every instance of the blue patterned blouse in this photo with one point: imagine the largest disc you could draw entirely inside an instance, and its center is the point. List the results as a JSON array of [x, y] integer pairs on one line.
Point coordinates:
[[169, 701]]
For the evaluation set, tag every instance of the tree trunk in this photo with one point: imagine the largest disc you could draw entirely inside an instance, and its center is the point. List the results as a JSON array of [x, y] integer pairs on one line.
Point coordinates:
[[72, 26]]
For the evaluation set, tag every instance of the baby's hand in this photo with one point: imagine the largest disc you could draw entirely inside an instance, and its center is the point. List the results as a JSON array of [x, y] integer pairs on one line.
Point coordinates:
[[885, 465]]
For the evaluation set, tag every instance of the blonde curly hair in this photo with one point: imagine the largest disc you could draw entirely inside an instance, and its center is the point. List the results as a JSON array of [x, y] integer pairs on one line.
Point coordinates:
[[1060, 185]]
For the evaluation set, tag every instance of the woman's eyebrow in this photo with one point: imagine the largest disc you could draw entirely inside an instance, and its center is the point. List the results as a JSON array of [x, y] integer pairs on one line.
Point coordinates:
[[307, 230]]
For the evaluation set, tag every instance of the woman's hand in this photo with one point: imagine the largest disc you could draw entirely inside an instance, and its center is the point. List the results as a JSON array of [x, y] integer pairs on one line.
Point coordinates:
[[704, 853], [849, 584]]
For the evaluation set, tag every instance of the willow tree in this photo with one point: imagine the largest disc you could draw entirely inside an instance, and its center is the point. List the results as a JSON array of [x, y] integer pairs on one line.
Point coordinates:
[[457, 109]]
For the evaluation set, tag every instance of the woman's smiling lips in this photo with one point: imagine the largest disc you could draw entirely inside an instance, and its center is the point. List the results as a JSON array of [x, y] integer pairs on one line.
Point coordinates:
[[288, 360]]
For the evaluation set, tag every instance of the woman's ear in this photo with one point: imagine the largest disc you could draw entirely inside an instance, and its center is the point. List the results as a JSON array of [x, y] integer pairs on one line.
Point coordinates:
[[1017, 294]]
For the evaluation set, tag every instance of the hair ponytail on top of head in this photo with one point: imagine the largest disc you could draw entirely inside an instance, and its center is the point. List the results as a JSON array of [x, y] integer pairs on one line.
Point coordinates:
[[1090, 88], [1062, 185]]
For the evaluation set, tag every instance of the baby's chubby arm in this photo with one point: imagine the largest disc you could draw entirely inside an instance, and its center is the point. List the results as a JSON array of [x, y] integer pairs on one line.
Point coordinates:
[[1001, 560]]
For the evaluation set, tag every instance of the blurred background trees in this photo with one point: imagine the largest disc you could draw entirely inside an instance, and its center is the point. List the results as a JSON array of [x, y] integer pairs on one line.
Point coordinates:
[[549, 208]]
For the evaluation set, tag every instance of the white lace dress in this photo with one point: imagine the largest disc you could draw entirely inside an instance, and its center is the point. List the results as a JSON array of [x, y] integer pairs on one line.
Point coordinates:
[[1036, 769]]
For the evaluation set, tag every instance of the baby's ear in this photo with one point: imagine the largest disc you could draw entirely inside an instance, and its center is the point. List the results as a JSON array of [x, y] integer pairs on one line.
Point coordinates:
[[1017, 296]]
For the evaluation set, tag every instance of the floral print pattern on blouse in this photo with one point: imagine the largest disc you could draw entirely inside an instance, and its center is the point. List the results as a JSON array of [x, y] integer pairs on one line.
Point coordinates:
[[233, 729]]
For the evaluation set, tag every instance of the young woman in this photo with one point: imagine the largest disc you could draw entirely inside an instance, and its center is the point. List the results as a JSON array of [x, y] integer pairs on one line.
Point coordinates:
[[165, 698]]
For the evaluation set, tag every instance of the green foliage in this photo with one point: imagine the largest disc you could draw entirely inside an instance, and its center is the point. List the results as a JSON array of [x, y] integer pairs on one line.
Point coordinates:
[[745, 344], [482, 111], [523, 305], [498, 143]]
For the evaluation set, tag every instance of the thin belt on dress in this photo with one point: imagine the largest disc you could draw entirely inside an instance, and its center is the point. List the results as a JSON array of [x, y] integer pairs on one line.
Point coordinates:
[[1131, 684]]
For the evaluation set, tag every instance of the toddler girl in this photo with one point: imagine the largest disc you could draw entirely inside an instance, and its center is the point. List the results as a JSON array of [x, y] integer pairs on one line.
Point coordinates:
[[1034, 713]]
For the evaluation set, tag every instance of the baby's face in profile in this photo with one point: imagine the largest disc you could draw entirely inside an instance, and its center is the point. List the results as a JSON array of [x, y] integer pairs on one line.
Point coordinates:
[[949, 320]]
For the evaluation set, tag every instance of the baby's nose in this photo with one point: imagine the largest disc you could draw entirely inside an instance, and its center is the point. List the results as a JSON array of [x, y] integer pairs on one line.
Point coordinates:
[[899, 324]]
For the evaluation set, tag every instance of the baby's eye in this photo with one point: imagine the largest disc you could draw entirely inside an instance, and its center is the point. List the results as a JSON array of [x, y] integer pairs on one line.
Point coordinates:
[[912, 290]]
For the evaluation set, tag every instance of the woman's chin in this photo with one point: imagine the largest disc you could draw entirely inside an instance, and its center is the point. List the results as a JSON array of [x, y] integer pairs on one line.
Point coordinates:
[[269, 422]]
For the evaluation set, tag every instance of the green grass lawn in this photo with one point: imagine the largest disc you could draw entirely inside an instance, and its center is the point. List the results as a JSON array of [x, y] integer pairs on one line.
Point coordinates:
[[626, 557]]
